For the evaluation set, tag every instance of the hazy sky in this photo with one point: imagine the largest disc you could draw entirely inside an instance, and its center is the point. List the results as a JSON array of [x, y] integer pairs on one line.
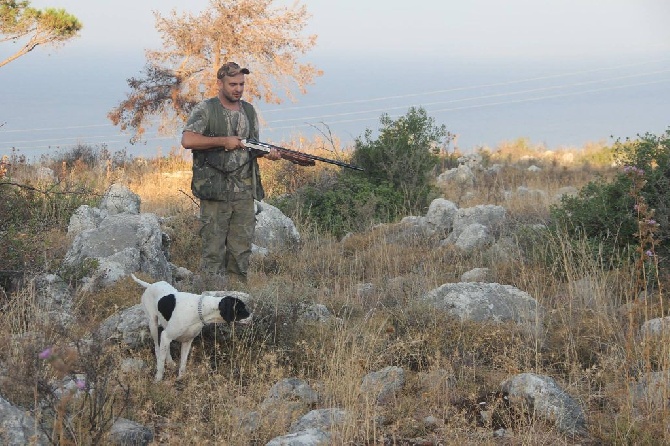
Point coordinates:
[[450, 28], [559, 72]]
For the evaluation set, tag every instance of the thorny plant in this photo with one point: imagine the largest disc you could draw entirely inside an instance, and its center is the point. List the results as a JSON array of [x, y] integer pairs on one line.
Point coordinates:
[[646, 260], [646, 263], [78, 397]]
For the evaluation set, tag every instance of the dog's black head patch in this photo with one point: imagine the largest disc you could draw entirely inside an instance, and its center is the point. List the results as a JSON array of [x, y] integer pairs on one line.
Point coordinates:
[[233, 309], [166, 305]]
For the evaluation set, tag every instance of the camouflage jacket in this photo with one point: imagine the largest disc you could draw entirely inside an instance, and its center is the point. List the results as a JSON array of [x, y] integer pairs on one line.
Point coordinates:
[[219, 175]]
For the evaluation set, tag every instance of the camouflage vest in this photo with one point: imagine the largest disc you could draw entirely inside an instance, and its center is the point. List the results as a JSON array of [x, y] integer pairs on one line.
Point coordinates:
[[219, 175]]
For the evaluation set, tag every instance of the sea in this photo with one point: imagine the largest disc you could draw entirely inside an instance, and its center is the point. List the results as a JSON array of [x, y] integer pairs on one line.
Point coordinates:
[[52, 102]]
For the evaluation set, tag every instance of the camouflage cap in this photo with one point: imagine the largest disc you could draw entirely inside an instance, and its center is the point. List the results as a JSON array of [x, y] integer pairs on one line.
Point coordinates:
[[230, 69]]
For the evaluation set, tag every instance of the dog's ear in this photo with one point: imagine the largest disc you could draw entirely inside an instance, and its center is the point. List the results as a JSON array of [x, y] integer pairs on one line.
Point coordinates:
[[233, 309]]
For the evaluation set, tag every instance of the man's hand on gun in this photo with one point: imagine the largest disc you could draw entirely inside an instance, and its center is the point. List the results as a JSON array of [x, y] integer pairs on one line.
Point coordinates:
[[234, 143], [273, 154]]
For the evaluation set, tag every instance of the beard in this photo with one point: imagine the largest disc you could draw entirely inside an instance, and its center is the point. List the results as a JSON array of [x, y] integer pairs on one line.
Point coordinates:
[[230, 97]]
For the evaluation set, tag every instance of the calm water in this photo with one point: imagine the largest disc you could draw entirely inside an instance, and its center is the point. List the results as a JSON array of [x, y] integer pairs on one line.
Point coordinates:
[[50, 103]]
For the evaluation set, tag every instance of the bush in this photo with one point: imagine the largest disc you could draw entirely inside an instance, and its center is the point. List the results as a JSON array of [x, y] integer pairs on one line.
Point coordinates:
[[403, 156], [350, 204], [602, 212], [397, 180], [28, 215], [651, 154], [613, 214]]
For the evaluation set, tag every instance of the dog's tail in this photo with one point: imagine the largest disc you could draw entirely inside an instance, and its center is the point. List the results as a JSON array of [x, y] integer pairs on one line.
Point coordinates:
[[141, 282]]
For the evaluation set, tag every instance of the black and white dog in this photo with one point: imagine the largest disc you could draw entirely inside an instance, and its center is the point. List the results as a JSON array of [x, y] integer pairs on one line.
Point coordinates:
[[182, 316]]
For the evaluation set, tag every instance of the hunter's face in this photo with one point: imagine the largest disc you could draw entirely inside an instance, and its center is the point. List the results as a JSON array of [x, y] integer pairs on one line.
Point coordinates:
[[232, 87]]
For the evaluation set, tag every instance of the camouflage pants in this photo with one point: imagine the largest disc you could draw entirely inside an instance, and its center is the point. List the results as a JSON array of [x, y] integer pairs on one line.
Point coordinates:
[[227, 233]]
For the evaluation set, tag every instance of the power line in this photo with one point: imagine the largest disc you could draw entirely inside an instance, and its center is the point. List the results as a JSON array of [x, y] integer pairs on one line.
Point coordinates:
[[474, 87], [492, 104], [56, 128], [55, 145], [534, 90], [369, 100], [54, 141]]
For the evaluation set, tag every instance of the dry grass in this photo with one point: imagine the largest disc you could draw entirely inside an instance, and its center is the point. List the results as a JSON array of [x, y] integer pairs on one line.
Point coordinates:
[[591, 344]]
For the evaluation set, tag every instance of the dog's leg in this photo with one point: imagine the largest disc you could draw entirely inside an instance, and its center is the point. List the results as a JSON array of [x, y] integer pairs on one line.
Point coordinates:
[[185, 350], [163, 353], [153, 329], [168, 359]]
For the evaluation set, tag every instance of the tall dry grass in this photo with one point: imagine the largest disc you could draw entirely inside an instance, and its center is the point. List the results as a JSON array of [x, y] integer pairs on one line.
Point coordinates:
[[590, 344]]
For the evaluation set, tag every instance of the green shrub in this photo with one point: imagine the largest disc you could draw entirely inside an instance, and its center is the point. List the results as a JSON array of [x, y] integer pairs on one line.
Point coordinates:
[[602, 211], [349, 204], [396, 182], [28, 214], [357, 203], [403, 156], [651, 154], [611, 214]]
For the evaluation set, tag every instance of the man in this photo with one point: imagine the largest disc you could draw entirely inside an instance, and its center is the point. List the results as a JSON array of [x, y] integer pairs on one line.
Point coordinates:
[[226, 177]]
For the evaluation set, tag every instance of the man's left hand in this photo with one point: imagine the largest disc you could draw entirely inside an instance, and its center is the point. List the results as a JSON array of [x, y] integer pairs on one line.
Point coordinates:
[[273, 155]]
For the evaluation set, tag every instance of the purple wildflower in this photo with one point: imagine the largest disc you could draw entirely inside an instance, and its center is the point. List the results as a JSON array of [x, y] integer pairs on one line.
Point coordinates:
[[649, 253], [81, 384], [46, 353], [633, 170]]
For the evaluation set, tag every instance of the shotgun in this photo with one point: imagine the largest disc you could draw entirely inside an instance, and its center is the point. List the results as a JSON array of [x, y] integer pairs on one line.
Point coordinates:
[[300, 158]]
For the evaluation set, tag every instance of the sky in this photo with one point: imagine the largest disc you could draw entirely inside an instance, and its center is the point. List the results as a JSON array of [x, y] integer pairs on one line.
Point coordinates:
[[560, 73]]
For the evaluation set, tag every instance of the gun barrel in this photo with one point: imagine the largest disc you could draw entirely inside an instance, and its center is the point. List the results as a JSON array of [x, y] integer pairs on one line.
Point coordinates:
[[265, 147]]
